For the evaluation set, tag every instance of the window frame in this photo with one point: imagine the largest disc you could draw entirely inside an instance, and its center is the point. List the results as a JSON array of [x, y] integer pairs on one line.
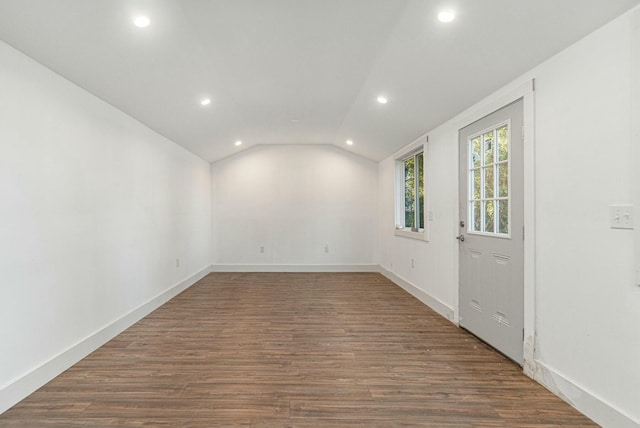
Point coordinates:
[[400, 228]]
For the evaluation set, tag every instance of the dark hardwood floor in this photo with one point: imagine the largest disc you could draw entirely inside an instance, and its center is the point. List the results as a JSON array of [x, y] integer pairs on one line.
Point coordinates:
[[286, 349]]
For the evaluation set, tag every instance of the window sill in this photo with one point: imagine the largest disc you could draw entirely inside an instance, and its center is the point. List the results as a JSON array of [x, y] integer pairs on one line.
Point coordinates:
[[421, 236]]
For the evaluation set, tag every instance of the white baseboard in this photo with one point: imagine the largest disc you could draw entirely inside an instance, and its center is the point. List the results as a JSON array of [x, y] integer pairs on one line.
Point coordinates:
[[440, 307], [584, 401], [23, 386], [294, 268]]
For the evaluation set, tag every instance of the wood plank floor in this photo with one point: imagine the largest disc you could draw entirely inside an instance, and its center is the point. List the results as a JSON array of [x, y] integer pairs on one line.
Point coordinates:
[[304, 350]]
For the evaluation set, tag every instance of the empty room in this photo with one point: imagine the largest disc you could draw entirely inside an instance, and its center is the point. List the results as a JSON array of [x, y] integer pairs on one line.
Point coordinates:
[[319, 213]]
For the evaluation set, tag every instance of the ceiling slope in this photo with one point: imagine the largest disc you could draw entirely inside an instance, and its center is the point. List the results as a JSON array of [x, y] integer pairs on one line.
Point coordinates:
[[295, 71]]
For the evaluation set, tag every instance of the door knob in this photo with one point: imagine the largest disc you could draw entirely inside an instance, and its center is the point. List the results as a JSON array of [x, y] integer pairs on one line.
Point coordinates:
[[460, 238]]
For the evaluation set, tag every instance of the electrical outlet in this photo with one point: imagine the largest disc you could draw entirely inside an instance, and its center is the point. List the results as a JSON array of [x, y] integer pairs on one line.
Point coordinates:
[[621, 216], [177, 263], [261, 249], [413, 263], [326, 248]]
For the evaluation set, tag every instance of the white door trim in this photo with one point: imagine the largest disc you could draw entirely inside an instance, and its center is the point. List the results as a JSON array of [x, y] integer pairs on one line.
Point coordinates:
[[635, 129], [525, 91]]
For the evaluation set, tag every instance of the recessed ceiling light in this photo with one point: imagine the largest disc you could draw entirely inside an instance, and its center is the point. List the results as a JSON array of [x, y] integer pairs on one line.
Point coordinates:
[[238, 143], [446, 15], [382, 100], [142, 22], [205, 102], [349, 143]]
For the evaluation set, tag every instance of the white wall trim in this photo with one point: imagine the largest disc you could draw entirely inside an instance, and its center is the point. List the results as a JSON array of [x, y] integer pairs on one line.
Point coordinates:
[[294, 268], [413, 146], [21, 387], [635, 129], [434, 303], [589, 404]]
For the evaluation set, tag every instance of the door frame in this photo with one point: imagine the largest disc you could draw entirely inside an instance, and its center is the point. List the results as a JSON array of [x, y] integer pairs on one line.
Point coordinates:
[[526, 91], [635, 129]]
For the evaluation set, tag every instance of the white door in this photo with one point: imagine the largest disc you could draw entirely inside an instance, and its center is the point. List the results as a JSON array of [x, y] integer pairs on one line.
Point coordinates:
[[492, 230]]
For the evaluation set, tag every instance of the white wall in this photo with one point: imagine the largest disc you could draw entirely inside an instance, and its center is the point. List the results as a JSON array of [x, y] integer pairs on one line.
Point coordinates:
[[95, 208], [435, 261], [293, 200], [587, 309]]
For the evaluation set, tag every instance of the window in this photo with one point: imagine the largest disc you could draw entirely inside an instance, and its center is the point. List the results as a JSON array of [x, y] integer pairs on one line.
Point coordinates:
[[410, 207], [489, 181]]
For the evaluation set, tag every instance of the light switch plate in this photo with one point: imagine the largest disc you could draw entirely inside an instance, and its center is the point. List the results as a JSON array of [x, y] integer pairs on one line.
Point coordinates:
[[621, 216]]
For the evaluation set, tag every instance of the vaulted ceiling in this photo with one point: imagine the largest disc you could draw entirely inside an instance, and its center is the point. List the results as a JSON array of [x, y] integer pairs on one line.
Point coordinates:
[[296, 71]]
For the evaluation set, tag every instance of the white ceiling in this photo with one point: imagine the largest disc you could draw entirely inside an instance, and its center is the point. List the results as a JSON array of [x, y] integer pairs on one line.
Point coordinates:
[[296, 71]]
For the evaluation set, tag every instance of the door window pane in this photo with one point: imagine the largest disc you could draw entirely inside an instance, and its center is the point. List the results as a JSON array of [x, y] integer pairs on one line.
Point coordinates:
[[477, 183], [476, 151], [488, 148], [503, 217], [477, 216], [489, 217], [503, 143], [489, 185], [503, 180]]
